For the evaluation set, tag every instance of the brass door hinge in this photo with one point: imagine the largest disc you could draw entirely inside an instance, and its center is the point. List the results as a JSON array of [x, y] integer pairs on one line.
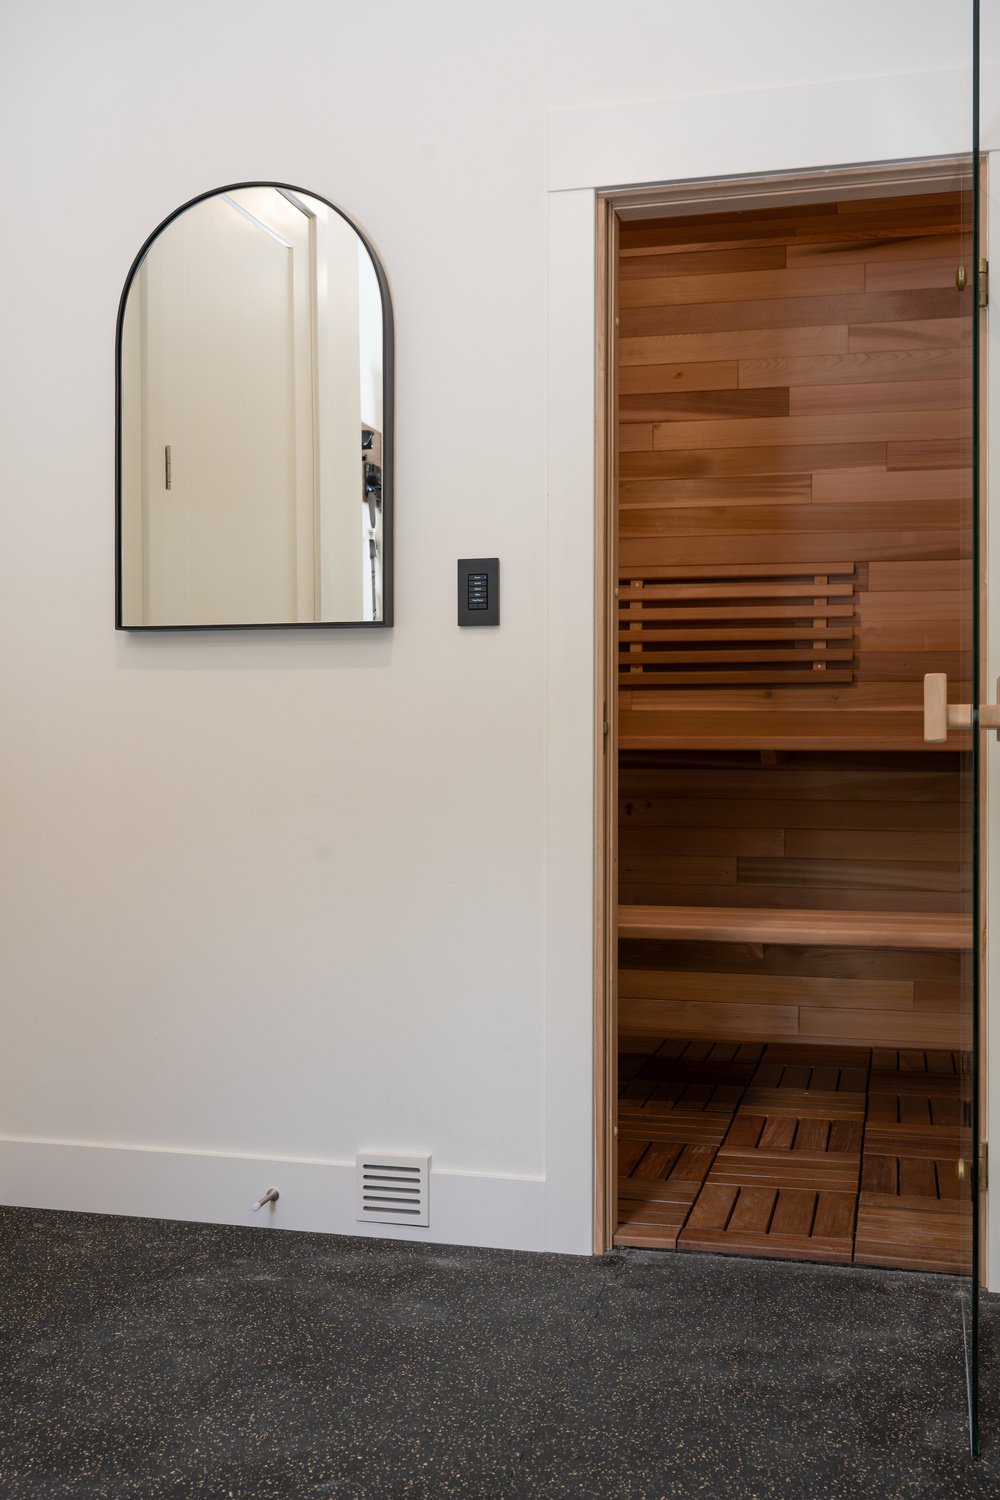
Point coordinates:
[[982, 282]]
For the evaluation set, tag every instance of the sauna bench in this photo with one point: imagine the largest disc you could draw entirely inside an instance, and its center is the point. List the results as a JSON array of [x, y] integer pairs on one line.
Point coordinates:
[[826, 929]]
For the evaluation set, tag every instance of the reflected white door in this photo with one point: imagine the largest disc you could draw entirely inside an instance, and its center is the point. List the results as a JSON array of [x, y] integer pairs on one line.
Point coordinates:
[[228, 382]]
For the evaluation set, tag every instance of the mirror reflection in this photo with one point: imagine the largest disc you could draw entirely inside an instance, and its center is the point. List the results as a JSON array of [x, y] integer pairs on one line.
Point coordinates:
[[253, 420]]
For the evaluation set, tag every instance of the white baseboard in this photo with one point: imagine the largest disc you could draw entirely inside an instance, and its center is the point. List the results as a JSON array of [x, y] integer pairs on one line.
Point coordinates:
[[466, 1208]]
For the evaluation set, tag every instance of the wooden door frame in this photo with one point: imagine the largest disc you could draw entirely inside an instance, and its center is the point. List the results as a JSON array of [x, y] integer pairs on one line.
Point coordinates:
[[680, 199]]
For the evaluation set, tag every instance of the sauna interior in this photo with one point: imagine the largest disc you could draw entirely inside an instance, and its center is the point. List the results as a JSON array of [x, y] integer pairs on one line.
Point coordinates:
[[793, 555]]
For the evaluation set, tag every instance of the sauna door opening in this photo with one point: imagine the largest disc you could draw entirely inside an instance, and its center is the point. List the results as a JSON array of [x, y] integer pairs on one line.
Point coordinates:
[[788, 1047]]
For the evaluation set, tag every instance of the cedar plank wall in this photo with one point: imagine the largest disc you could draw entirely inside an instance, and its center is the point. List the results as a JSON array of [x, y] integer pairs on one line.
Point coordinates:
[[793, 390], [837, 831]]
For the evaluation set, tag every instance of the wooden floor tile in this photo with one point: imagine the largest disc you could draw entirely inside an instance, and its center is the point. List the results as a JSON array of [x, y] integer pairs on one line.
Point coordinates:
[[934, 1235], [803, 1103], [794, 1151], [783, 1223], [701, 1128]]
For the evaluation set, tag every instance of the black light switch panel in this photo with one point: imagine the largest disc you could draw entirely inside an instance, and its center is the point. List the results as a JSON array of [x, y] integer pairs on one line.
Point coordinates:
[[479, 591]]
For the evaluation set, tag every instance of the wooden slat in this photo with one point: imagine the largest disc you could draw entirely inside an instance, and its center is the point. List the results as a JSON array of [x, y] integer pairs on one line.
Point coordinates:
[[895, 275], [635, 437], [856, 310], [725, 614], [825, 928], [763, 459], [875, 844], [662, 678], [735, 571], [745, 343], [909, 362], [864, 398], [691, 1018], [903, 247], [739, 489], [669, 289], [929, 484], [742, 811], [728, 589], [929, 333], [690, 375], [777, 989], [795, 547], [861, 874], [703, 405], [825, 427], [703, 262], [919, 1030], [762, 520], [937, 454], [918, 578]]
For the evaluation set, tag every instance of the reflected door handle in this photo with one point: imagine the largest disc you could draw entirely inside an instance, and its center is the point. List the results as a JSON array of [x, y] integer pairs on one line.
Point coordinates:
[[940, 715]]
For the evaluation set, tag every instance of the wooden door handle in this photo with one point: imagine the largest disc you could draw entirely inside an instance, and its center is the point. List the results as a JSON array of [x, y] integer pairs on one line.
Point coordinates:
[[940, 715]]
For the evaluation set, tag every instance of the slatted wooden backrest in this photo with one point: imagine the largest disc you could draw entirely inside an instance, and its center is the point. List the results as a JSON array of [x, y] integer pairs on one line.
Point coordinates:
[[737, 626]]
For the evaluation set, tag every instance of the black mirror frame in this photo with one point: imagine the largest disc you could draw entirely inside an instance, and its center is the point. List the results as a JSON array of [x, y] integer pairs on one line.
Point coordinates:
[[388, 434]]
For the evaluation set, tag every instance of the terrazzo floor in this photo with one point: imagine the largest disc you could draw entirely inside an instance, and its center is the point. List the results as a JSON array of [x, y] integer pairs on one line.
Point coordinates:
[[147, 1358]]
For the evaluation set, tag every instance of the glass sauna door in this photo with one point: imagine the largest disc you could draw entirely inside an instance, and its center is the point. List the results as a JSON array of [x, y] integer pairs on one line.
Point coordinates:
[[966, 718], [939, 1116]]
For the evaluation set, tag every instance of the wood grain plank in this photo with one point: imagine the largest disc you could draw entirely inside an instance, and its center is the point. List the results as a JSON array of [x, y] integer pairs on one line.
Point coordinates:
[[711, 987], [909, 363], [896, 249], [736, 344], [741, 489], [880, 546], [692, 375], [794, 458], [691, 1018], [635, 437], [865, 397], [886, 275], [849, 428], [920, 1029], [670, 290], [829, 928], [944, 484], [940, 454], [654, 807], [874, 844], [703, 405], [703, 262], [704, 843], [840, 899], [920, 333], [856, 310]]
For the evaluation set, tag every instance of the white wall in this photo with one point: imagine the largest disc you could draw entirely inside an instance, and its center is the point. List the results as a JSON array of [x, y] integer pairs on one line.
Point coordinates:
[[213, 945]]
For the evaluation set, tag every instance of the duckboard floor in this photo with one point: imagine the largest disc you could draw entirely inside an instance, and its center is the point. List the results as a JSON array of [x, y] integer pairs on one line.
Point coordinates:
[[792, 1151]]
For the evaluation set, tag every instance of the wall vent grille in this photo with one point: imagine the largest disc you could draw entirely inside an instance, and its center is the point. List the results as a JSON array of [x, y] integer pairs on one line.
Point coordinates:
[[738, 626], [393, 1189]]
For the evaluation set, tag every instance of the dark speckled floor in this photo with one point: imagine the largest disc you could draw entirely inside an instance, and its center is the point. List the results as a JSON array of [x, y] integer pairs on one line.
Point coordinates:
[[144, 1358]]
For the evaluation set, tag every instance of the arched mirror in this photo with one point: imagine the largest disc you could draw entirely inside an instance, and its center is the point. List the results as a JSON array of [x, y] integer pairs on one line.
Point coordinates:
[[254, 419]]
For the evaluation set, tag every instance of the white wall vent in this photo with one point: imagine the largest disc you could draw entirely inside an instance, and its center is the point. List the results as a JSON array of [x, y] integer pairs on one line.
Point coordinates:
[[393, 1189]]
